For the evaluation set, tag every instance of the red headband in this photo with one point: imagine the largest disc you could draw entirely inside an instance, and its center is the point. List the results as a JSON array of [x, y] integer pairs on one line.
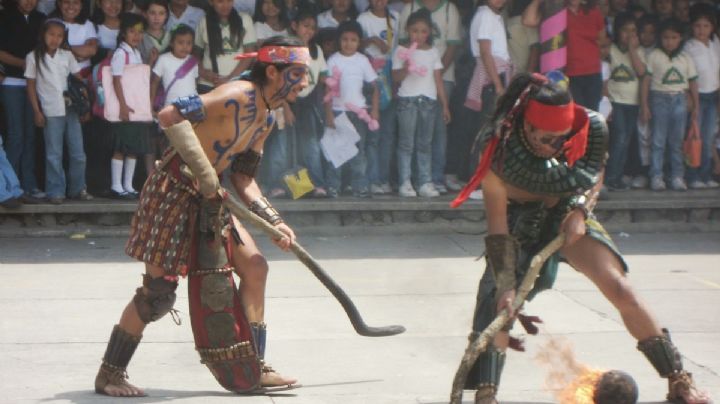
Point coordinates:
[[552, 118], [279, 54]]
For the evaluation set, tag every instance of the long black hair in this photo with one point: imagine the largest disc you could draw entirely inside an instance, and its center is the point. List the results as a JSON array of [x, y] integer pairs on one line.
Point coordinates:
[[215, 41], [128, 20], [41, 48], [706, 11], [258, 70], [303, 13]]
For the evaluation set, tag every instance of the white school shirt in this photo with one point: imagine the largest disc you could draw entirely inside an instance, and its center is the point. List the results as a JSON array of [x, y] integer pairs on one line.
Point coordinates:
[[190, 17], [446, 28], [244, 6], [226, 62], [121, 54], [316, 68], [107, 36], [326, 20], [414, 84], [487, 24], [707, 63], [264, 31], [52, 79], [166, 67], [374, 26], [79, 34], [355, 71]]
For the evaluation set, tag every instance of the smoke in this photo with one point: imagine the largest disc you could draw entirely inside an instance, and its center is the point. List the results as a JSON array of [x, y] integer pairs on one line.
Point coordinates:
[[570, 381]]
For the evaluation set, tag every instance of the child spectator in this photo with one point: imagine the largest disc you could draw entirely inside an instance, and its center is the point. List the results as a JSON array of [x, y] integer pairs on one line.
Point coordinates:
[[307, 107], [663, 9], [181, 12], [156, 38], [356, 70], [270, 19], [420, 89], [670, 74], [47, 69], [220, 35], [380, 30], [81, 36], [19, 28], [704, 49], [627, 67], [340, 11], [446, 34], [107, 22], [640, 148], [681, 10], [130, 138]]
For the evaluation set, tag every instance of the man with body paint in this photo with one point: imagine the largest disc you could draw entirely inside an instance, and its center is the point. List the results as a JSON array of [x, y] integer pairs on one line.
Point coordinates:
[[182, 201]]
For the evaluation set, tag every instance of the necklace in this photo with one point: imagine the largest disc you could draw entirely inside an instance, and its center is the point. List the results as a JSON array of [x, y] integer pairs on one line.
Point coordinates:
[[269, 113]]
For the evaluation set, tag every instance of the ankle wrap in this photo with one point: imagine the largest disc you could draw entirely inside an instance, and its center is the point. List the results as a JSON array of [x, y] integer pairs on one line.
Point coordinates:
[[662, 354], [485, 373], [120, 349]]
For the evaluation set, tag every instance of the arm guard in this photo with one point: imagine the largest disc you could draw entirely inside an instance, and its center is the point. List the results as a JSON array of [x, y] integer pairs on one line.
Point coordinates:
[[247, 163], [585, 202], [182, 137], [502, 253], [265, 210], [191, 108]]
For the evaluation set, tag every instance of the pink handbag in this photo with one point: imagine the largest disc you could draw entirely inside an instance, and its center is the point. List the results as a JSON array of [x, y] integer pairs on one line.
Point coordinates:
[[136, 89]]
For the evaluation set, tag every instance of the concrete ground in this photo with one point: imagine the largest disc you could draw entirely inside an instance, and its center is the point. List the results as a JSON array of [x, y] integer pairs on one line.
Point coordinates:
[[60, 298]]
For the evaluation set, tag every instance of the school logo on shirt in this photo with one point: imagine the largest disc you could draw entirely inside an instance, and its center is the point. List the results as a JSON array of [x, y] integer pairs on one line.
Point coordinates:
[[673, 76], [622, 74]]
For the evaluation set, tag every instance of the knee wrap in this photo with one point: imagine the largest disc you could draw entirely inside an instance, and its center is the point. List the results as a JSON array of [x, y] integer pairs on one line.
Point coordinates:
[[487, 369], [662, 354], [157, 301]]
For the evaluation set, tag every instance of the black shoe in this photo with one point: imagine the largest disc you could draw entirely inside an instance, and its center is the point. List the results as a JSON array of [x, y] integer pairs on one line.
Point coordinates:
[[617, 186], [125, 196], [30, 200], [12, 203]]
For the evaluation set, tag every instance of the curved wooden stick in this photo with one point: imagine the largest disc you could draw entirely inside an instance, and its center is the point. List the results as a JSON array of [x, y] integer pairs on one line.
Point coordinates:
[[240, 211], [479, 345]]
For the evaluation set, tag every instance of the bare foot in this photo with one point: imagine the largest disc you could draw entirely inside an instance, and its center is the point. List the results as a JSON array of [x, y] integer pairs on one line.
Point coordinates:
[[683, 390], [271, 378], [113, 382], [485, 396]]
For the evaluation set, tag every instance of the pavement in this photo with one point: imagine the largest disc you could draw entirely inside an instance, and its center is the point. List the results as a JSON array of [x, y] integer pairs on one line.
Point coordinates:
[[60, 298]]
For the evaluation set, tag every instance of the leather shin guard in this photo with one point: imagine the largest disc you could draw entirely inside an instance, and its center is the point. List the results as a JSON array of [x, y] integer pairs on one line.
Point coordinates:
[[487, 369], [120, 348], [183, 138], [662, 354]]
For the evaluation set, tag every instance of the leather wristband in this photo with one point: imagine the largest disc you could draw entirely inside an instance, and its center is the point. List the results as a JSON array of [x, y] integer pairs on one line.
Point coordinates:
[[266, 211]]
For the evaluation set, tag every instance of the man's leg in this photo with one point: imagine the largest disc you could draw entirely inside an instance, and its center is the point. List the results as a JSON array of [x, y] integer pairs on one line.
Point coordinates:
[[252, 268], [150, 303], [603, 268]]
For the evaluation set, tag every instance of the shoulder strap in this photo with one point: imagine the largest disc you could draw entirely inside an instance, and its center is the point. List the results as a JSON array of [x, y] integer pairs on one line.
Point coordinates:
[[182, 71]]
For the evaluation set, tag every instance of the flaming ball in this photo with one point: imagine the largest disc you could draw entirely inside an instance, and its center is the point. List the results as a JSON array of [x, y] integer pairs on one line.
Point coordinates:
[[616, 387]]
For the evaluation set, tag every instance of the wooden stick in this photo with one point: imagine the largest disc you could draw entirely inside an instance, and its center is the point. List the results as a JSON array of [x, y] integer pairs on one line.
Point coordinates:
[[479, 345]]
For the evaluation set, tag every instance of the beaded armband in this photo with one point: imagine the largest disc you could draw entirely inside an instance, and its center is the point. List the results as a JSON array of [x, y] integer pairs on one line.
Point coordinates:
[[191, 108], [265, 210], [246, 163]]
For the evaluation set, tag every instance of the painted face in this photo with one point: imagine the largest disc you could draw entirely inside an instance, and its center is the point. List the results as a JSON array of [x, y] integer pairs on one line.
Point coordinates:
[[544, 143], [222, 7], [54, 37], [26, 6], [269, 9], [290, 82], [419, 32], [647, 36], [305, 29], [702, 29], [156, 16], [349, 43], [670, 40], [134, 35], [111, 8], [182, 45], [70, 9]]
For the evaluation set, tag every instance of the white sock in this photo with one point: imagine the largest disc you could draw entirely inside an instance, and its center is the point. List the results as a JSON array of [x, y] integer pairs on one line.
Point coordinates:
[[116, 167], [128, 174]]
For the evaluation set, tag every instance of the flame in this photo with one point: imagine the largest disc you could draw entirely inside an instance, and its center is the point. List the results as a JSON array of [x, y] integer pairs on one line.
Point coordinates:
[[571, 381]]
